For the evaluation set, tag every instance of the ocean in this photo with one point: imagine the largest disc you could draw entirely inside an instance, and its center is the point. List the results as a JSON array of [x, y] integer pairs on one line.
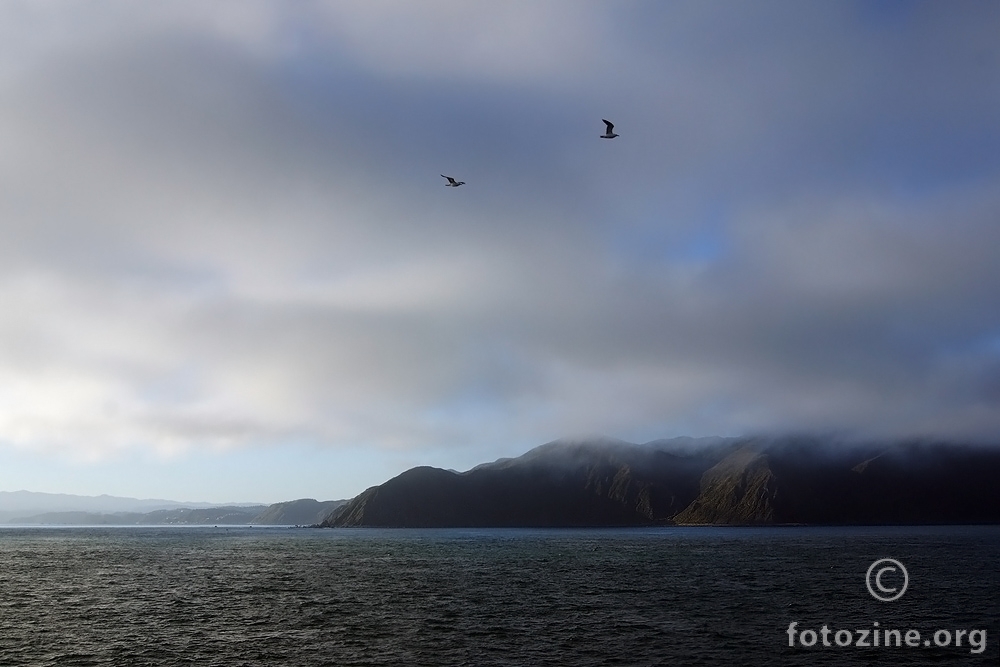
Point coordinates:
[[241, 596]]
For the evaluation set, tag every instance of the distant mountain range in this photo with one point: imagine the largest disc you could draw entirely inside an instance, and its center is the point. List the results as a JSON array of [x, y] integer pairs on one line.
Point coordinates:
[[30, 508], [31, 501], [727, 481]]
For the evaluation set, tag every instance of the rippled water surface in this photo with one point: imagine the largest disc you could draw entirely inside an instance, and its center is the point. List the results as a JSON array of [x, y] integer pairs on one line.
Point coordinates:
[[304, 597]]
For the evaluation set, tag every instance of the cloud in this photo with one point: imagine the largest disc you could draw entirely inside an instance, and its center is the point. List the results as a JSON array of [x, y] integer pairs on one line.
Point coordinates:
[[512, 42], [224, 224]]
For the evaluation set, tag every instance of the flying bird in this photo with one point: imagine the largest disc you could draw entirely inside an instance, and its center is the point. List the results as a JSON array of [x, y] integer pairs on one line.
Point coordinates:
[[452, 183], [610, 134]]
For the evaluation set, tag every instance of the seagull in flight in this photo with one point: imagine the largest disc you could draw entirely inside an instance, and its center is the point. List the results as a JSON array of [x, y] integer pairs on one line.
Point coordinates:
[[610, 134], [452, 183]]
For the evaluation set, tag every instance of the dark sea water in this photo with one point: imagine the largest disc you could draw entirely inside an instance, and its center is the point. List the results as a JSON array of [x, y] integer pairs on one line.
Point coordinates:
[[667, 596]]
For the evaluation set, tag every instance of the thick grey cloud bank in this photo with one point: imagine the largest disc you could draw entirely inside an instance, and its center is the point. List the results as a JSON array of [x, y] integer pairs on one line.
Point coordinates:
[[223, 223]]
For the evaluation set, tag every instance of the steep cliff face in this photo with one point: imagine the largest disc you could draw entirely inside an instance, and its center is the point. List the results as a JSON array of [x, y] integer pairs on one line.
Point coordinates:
[[804, 482], [740, 489]]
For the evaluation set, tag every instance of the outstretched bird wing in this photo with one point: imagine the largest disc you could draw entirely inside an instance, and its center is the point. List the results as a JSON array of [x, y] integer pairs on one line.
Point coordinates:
[[611, 126], [450, 179]]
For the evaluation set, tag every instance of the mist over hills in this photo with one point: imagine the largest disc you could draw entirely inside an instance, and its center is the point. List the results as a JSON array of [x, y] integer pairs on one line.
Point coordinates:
[[728, 481]]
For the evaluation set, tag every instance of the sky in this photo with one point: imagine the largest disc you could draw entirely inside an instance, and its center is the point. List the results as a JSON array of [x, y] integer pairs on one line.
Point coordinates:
[[230, 269]]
